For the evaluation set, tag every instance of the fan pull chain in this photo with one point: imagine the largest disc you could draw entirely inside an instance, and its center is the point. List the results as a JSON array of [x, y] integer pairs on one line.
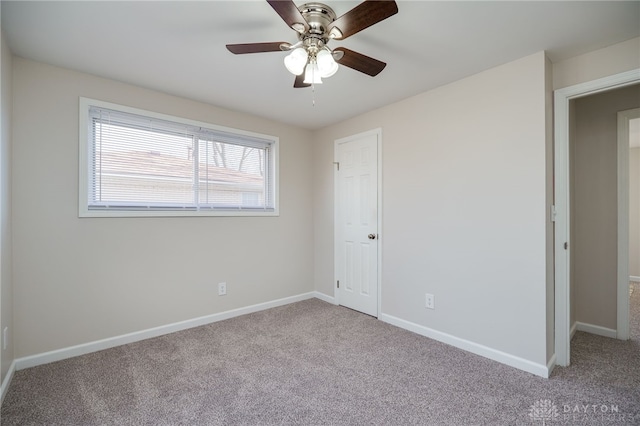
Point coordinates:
[[313, 86], [313, 91]]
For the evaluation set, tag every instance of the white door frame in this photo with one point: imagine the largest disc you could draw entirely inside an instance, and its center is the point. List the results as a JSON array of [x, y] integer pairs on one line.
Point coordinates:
[[561, 190], [378, 133], [622, 331]]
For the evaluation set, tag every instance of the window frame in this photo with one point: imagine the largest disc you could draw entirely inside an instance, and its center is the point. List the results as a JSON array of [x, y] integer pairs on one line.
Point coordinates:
[[85, 173]]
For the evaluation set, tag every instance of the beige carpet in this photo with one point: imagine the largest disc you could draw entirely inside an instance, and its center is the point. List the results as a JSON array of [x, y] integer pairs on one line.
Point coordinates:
[[312, 363]]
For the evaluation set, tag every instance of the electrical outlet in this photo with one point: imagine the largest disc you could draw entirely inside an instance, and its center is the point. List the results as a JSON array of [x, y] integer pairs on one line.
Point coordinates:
[[5, 338], [430, 301], [222, 289]]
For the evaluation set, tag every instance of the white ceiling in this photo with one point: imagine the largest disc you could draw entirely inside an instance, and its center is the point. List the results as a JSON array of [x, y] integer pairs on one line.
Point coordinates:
[[179, 47]]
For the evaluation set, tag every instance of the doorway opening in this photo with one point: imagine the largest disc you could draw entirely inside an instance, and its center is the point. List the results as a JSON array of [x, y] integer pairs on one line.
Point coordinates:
[[562, 189]]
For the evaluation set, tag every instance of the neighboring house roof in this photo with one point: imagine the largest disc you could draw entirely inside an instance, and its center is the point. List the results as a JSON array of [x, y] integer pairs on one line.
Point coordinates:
[[152, 164]]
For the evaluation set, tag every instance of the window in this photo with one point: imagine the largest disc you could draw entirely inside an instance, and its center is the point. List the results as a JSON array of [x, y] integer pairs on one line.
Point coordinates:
[[139, 163]]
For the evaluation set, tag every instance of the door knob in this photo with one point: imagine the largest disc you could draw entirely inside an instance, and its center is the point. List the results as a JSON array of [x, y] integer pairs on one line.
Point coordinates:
[[372, 236]]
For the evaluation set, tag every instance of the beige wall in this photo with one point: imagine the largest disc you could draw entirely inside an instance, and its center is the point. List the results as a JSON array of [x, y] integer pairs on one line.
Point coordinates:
[[464, 207], [594, 204], [6, 282], [615, 59], [466, 193], [80, 280], [634, 212]]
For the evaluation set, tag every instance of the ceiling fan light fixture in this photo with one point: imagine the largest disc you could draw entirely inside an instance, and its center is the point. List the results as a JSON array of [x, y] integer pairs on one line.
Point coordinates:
[[312, 74], [316, 24], [296, 60], [327, 66]]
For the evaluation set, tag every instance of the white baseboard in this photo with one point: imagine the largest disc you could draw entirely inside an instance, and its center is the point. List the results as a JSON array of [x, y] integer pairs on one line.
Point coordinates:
[[324, 297], [85, 348], [487, 352], [596, 329], [98, 345], [572, 332], [634, 279], [7, 381]]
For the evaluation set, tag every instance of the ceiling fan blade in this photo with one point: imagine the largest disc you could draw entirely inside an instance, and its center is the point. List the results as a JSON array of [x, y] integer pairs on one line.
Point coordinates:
[[290, 14], [359, 62], [240, 49], [362, 16], [300, 81]]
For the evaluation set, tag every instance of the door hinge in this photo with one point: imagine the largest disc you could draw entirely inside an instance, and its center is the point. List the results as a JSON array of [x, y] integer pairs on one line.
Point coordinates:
[[338, 283], [337, 163], [566, 245], [554, 213]]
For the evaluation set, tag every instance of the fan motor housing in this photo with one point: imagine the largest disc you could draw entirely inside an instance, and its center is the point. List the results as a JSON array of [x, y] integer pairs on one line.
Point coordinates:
[[318, 16]]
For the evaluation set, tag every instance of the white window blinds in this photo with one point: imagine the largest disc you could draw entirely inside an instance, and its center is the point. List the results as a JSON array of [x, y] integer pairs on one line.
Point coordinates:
[[142, 163]]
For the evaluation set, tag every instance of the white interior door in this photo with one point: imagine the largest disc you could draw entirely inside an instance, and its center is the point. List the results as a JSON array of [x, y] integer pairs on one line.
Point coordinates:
[[357, 239]]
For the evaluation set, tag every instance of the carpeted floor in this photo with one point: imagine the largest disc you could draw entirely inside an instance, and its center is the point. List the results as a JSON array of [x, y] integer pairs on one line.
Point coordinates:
[[312, 363]]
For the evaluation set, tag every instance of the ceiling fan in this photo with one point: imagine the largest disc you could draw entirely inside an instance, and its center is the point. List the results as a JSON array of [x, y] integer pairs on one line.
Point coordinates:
[[316, 24]]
